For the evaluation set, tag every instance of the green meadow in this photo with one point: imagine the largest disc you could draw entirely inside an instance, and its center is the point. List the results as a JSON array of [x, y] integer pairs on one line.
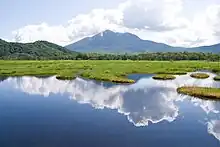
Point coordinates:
[[105, 70]]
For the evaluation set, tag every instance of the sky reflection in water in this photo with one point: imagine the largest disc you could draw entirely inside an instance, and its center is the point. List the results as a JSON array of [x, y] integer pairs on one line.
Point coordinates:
[[146, 101]]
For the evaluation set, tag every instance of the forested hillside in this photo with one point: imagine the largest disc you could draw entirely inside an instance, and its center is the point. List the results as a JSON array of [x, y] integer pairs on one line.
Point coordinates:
[[36, 50]]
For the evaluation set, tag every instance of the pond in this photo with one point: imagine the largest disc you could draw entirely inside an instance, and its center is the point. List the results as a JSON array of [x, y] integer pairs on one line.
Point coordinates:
[[46, 112]]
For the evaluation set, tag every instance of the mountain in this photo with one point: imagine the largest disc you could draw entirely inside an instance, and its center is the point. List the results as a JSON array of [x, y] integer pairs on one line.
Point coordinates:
[[36, 50], [112, 42], [212, 48]]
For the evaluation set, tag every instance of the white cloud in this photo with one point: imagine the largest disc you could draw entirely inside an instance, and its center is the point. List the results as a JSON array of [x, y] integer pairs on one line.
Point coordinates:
[[160, 15], [56, 34], [98, 20], [161, 21], [213, 19], [81, 26]]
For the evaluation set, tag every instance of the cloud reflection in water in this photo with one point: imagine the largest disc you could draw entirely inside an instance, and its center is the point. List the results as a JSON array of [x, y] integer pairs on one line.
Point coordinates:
[[214, 128], [145, 101]]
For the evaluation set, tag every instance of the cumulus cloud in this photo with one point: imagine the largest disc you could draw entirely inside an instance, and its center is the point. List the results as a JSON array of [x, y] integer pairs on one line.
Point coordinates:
[[161, 15], [161, 21], [30, 33], [96, 21], [77, 28], [213, 19]]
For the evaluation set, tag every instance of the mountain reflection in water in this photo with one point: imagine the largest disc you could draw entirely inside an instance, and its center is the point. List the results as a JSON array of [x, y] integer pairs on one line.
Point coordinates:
[[146, 101]]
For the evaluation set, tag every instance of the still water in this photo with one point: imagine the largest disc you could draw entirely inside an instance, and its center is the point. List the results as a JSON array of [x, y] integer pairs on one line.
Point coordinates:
[[46, 112]]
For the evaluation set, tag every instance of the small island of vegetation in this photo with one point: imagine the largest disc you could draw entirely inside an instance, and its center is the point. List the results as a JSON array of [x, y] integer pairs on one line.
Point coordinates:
[[164, 77], [217, 78], [199, 75], [200, 92], [63, 77]]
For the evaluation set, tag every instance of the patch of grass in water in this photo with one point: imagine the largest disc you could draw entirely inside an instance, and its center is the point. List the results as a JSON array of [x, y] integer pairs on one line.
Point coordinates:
[[63, 77], [200, 92], [118, 78], [216, 70], [164, 77], [199, 75], [217, 78], [122, 81]]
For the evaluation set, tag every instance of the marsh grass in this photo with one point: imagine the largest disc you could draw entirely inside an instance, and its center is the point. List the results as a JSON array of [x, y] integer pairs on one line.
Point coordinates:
[[217, 78], [164, 77], [199, 75], [60, 77], [114, 71], [200, 92]]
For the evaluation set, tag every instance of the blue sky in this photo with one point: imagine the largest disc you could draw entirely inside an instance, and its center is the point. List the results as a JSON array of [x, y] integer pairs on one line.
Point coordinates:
[[175, 22], [18, 13]]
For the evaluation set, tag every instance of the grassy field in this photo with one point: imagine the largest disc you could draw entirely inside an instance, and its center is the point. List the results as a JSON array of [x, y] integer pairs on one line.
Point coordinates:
[[201, 92], [114, 71]]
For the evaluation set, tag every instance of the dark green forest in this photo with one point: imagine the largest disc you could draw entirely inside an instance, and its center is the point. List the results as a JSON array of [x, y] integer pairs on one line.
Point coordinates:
[[36, 50], [159, 56]]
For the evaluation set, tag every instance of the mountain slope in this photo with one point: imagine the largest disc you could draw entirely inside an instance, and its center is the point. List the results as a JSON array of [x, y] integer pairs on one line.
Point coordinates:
[[212, 48], [112, 42], [38, 49]]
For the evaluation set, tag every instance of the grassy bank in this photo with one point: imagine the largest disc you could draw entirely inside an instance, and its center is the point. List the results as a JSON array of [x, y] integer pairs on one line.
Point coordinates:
[[201, 92], [115, 71]]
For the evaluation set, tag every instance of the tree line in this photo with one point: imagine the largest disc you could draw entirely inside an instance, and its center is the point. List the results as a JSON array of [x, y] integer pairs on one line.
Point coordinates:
[[159, 56]]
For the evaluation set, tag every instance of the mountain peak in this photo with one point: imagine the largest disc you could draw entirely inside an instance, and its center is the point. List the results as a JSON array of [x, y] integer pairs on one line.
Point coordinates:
[[116, 42], [104, 33], [107, 31], [109, 41]]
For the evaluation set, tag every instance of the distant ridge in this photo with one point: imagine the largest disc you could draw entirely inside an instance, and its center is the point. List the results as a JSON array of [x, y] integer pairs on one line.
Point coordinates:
[[113, 42], [35, 50]]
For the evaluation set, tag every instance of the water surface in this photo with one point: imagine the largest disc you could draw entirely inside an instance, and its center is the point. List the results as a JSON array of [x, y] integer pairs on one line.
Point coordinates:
[[46, 112]]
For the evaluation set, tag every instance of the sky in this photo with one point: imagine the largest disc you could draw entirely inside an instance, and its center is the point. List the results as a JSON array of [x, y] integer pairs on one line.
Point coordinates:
[[186, 23]]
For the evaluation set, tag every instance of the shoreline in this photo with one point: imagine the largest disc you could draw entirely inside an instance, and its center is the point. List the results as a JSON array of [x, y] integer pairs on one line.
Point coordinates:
[[102, 70]]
